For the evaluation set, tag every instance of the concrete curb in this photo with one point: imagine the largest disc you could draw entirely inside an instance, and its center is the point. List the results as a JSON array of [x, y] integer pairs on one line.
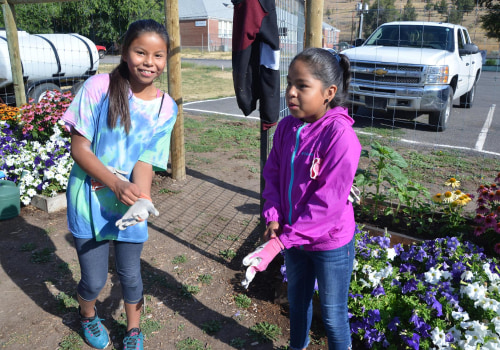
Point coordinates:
[[49, 204]]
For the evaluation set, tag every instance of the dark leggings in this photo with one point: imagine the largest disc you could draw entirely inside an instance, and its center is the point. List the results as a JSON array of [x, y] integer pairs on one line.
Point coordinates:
[[93, 257]]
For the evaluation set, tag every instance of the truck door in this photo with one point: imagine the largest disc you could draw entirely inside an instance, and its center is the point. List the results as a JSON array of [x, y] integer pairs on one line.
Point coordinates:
[[466, 67]]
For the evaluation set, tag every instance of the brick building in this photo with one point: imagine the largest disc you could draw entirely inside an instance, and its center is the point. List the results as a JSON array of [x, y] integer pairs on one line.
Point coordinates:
[[206, 24]]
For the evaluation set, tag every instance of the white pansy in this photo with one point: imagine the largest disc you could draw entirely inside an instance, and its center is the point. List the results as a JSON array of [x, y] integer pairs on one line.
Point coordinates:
[[355, 265], [475, 291], [496, 323], [438, 337], [493, 277], [457, 334], [391, 253], [464, 316], [31, 192], [467, 275]]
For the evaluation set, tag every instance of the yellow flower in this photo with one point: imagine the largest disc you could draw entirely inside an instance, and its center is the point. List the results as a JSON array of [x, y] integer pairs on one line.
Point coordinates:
[[454, 183], [437, 198], [463, 200], [448, 197]]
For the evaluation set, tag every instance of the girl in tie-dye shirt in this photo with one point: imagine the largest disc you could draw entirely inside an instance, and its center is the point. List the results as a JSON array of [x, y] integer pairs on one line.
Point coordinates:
[[121, 127]]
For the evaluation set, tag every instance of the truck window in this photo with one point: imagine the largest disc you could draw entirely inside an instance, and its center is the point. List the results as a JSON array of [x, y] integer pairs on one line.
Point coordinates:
[[433, 37], [461, 40]]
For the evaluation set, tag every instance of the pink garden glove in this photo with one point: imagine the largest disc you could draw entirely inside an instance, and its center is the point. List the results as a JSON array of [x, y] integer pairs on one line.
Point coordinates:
[[259, 259], [138, 212]]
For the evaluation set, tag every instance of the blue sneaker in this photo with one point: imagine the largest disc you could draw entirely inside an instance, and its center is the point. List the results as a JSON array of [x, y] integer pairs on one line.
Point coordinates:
[[94, 332], [134, 340]]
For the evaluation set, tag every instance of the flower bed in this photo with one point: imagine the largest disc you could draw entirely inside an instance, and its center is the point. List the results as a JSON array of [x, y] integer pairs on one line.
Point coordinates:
[[437, 294], [34, 148]]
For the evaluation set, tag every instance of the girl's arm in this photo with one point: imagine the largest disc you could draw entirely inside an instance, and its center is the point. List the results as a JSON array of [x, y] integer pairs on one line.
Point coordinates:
[[126, 192], [142, 176]]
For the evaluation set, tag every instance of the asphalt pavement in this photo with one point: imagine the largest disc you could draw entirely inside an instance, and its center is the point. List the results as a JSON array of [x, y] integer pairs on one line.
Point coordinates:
[[474, 130]]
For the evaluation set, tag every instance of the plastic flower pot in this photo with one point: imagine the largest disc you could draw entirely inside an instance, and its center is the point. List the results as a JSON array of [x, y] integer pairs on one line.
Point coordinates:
[[10, 202]]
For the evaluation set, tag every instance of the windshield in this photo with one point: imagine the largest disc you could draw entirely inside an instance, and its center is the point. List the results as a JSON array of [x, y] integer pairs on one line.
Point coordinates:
[[408, 35]]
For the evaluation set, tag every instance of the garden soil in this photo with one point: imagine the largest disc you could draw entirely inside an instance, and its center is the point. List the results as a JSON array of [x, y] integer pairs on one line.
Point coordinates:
[[191, 270]]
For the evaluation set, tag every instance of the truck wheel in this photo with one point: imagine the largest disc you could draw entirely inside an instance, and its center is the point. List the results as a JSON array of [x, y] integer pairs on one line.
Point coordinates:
[[439, 119], [102, 53], [40, 91], [467, 99]]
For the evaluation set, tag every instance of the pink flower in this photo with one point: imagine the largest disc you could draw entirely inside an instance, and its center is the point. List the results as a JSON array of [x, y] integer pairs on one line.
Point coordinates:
[[497, 179], [484, 194], [481, 188], [482, 209], [490, 221], [497, 248], [479, 230], [498, 227], [496, 197], [479, 219]]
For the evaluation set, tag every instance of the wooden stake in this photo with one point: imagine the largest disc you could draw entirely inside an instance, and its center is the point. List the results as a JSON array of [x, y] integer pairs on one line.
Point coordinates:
[[175, 89], [14, 53], [314, 23]]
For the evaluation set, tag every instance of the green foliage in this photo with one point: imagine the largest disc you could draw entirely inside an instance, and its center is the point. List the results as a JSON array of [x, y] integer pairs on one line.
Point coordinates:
[[211, 327], [242, 301], [379, 12], [387, 165], [265, 332], [179, 259], [409, 12], [227, 254], [490, 22], [237, 343], [206, 278], [41, 256], [28, 247], [72, 341], [66, 302], [191, 344], [187, 291], [99, 20], [149, 326]]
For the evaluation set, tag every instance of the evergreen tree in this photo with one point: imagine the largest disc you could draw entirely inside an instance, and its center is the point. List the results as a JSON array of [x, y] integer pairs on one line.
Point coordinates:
[[380, 12], [409, 12]]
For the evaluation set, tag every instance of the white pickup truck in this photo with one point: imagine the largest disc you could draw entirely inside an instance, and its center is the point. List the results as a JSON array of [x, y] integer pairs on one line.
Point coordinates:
[[415, 66]]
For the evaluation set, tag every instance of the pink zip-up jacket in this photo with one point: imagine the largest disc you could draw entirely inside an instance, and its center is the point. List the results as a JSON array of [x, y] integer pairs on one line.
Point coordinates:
[[308, 176]]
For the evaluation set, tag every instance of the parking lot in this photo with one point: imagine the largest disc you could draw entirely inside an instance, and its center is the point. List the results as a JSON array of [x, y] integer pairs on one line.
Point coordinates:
[[476, 129]]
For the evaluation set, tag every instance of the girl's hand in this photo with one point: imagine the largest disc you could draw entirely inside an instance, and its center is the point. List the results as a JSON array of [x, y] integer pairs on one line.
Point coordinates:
[[273, 230], [126, 192]]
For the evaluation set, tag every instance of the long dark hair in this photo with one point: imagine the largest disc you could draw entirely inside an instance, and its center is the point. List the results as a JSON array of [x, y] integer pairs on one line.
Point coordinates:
[[330, 68], [119, 85]]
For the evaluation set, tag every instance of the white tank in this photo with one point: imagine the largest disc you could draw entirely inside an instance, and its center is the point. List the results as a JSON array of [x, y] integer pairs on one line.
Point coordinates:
[[48, 56]]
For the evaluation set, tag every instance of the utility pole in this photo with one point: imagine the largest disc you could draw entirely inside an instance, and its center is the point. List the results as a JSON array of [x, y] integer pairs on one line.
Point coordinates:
[[361, 8]]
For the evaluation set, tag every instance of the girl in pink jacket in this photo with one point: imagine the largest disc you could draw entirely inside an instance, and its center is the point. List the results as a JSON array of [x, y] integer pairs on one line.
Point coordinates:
[[308, 176]]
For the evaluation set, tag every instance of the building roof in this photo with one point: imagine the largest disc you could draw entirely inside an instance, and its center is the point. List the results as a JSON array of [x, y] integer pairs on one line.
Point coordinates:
[[205, 9]]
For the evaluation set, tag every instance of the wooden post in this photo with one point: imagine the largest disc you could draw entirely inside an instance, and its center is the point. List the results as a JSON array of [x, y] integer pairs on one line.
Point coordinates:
[[175, 89], [14, 53], [314, 23]]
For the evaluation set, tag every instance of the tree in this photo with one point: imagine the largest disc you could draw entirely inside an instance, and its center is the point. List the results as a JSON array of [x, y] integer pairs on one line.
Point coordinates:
[[409, 12], [99, 20], [380, 12], [490, 22]]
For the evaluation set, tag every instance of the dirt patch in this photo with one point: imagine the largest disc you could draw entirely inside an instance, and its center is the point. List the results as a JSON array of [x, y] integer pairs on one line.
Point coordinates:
[[208, 223]]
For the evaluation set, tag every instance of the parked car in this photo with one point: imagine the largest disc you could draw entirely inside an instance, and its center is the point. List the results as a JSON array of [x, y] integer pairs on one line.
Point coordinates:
[[102, 50]]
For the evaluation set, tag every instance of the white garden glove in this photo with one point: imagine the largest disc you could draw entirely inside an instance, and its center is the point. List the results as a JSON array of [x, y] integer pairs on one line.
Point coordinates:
[[138, 212], [354, 195], [119, 173], [259, 259]]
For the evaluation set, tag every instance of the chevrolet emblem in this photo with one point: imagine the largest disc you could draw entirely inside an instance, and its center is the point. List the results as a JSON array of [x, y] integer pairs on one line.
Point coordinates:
[[380, 71]]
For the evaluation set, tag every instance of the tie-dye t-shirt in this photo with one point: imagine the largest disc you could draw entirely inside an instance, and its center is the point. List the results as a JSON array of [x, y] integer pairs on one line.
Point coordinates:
[[92, 208]]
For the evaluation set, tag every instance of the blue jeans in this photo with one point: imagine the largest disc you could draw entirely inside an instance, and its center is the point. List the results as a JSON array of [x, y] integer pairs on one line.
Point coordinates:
[[93, 257], [332, 269]]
